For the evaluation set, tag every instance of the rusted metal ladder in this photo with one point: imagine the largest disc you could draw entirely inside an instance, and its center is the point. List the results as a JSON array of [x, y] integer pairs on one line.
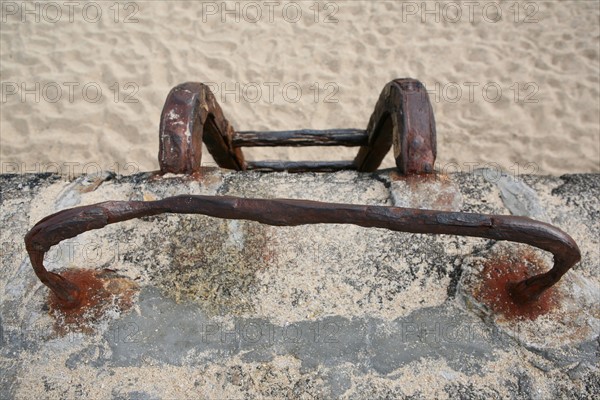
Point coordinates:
[[403, 117]]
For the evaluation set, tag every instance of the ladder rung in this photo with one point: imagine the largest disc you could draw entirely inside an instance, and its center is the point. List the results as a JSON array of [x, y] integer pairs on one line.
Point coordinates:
[[303, 137]]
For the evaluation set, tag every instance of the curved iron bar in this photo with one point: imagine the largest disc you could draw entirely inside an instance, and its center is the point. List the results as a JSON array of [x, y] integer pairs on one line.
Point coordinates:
[[284, 212], [403, 116], [190, 116]]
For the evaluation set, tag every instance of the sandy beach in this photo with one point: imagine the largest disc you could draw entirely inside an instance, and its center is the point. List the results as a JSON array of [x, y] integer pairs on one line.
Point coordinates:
[[171, 305], [514, 85]]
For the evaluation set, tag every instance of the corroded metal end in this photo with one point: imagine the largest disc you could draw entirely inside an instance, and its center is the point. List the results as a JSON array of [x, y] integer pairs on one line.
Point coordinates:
[[529, 290], [68, 293]]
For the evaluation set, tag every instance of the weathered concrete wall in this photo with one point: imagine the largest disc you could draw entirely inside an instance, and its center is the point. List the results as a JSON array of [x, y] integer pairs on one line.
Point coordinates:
[[236, 309]]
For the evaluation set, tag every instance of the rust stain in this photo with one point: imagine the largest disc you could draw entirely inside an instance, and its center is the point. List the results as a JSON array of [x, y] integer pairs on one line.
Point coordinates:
[[104, 291], [505, 270]]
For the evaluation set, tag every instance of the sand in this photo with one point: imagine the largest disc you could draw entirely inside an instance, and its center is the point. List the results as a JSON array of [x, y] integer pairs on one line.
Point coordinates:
[[512, 83]]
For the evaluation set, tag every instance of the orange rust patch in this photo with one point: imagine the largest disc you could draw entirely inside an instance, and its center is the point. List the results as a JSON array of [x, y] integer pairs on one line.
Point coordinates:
[[503, 270], [100, 292]]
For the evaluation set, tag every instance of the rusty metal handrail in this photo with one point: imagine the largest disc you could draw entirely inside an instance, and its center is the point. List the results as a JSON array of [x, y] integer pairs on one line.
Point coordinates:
[[283, 212]]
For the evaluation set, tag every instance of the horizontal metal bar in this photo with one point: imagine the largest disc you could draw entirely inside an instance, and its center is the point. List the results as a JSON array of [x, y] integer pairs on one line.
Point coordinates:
[[303, 137], [284, 212], [300, 166]]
